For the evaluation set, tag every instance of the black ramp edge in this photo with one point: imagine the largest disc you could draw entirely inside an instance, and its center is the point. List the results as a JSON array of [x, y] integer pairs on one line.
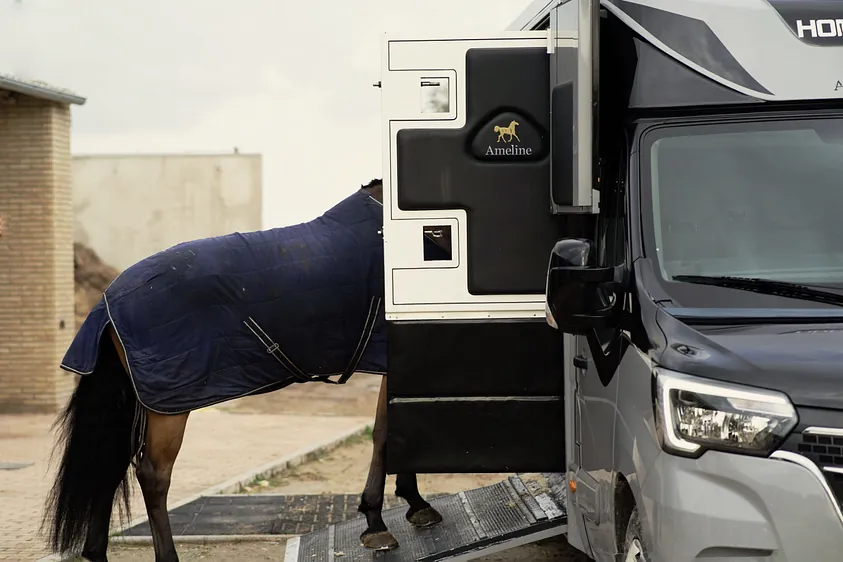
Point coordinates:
[[475, 520]]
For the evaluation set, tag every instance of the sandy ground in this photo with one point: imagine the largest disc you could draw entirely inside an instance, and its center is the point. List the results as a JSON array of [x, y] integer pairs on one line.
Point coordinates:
[[344, 471], [358, 397]]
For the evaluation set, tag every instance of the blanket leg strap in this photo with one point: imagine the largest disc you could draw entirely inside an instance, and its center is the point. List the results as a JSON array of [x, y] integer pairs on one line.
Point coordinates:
[[275, 350], [371, 319]]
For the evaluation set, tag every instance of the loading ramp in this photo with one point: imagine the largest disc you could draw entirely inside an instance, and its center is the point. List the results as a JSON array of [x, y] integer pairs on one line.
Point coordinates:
[[519, 510]]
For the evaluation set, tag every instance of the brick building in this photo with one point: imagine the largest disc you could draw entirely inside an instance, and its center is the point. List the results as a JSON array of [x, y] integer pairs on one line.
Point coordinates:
[[36, 245]]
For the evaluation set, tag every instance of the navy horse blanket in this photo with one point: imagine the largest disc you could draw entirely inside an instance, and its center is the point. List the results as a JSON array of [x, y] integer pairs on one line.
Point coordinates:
[[219, 318]]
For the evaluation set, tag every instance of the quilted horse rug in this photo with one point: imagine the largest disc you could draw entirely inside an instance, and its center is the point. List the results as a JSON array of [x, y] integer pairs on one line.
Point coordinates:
[[219, 318]]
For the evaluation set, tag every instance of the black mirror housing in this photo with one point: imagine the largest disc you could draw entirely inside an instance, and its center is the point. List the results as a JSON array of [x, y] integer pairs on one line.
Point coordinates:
[[580, 295]]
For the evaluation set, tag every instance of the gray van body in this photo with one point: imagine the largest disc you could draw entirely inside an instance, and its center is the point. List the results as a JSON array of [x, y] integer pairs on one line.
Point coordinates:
[[783, 505]]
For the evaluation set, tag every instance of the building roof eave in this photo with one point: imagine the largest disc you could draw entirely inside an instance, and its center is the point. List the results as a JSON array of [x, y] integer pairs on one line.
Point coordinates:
[[40, 90]]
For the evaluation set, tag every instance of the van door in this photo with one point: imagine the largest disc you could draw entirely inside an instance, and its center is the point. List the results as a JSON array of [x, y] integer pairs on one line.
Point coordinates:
[[475, 379]]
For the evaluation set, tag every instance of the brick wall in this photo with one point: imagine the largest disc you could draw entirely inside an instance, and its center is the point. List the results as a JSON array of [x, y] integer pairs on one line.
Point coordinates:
[[36, 255]]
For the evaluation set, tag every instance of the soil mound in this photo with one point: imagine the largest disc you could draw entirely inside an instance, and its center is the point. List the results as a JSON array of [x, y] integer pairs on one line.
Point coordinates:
[[91, 277]]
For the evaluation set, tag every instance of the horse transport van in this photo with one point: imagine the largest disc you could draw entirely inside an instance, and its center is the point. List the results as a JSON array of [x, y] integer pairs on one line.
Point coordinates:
[[639, 301]]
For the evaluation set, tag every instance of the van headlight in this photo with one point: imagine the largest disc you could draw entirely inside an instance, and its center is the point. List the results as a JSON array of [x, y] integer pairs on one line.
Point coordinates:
[[695, 414]]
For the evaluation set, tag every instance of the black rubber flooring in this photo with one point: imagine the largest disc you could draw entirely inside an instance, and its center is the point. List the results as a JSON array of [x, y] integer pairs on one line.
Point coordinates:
[[262, 514]]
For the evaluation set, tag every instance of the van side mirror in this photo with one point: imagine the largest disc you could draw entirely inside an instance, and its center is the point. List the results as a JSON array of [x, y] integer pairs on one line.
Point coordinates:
[[580, 296]]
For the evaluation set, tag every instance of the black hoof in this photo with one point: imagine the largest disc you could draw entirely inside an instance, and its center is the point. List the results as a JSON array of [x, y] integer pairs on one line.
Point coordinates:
[[427, 517], [382, 540]]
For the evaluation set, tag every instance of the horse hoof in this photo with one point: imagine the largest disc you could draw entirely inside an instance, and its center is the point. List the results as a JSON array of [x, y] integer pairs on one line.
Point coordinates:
[[426, 517], [379, 541]]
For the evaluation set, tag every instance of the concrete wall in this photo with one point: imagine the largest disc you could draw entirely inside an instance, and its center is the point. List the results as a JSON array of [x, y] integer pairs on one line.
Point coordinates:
[[130, 207], [36, 255]]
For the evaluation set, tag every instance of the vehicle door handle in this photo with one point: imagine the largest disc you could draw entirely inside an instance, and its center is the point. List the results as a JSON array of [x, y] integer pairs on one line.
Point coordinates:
[[580, 362]]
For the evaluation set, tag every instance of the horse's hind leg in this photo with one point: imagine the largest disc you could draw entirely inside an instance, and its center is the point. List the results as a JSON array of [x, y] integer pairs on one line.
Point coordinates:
[[96, 540], [164, 435], [111, 364], [377, 536], [420, 514]]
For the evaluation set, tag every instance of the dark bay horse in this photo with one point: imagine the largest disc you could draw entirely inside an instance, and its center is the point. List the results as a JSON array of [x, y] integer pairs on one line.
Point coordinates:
[[180, 330]]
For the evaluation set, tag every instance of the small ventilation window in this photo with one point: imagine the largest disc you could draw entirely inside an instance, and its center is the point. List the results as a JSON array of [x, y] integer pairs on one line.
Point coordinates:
[[437, 243], [435, 95]]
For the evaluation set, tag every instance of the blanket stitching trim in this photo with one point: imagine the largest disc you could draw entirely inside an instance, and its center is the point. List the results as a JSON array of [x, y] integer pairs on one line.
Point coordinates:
[[72, 370]]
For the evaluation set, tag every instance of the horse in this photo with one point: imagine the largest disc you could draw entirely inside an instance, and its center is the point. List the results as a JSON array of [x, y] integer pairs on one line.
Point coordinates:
[[179, 330], [510, 130]]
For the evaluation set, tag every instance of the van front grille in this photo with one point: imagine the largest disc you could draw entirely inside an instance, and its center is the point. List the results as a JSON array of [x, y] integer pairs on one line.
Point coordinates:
[[826, 451]]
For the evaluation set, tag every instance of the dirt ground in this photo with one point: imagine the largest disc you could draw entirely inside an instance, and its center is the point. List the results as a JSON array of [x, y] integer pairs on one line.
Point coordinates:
[[344, 470], [556, 550], [358, 397], [91, 278]]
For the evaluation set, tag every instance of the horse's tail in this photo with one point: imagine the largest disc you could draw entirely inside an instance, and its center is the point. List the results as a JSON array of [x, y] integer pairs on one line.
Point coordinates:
[[96, 432]]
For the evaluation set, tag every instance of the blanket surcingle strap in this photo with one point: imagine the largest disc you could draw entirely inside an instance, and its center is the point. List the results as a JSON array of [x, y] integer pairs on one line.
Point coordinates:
[[275, 350]]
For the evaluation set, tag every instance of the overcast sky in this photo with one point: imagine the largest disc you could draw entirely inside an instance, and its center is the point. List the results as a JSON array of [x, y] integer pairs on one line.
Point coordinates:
[[291, 80]]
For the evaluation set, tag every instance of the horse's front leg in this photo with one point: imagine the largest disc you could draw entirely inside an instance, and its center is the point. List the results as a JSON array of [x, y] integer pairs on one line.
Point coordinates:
[[377, 536], [420, 514]]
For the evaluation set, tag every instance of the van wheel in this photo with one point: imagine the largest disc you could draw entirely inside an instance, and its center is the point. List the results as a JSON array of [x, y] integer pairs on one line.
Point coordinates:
[[633, 544]]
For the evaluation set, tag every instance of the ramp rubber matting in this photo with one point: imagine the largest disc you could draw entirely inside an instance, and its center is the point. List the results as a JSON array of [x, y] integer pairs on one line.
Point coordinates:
[[261, 514], [516, 511]]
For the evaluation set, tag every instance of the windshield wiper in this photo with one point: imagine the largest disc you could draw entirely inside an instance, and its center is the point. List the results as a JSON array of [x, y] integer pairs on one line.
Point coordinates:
[[765, 287]]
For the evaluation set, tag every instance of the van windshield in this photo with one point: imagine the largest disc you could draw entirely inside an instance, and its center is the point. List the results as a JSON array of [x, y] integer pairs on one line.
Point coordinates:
[[748, 199]]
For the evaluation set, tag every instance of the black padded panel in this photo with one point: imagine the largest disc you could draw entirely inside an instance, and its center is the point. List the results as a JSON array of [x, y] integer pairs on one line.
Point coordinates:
[[562, 99], [511, 230], [460, 437], [562, 113], [509, 379], [510, 358]]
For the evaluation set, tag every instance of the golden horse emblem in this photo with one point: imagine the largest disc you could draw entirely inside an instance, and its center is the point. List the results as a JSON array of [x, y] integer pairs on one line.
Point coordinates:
[[510, 130]]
